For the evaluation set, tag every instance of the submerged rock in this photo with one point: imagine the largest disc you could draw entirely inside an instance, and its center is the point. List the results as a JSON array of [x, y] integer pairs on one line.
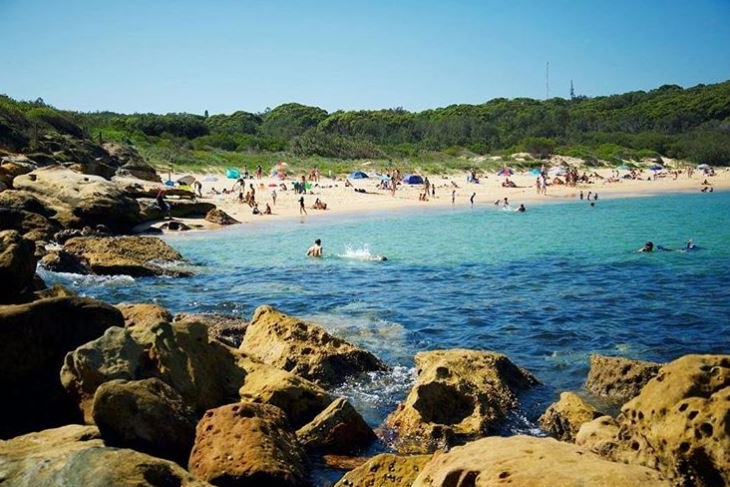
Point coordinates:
[[459, 395], [304, 349]]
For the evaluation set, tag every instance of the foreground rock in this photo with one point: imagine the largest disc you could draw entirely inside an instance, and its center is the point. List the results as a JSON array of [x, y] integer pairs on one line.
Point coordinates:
[[459, 395], [206, 374], [145, 415], [386, 470], [563, 419], [618, 378], [677, 424], [338, 429], [304, 349], [75, 456], [133, 256], [227, 329], [17, 266], [34, 338], [530, 461], [247, 444]]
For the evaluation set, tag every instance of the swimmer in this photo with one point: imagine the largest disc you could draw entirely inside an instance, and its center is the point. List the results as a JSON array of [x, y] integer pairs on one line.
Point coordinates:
[[315, 250], [648, 247], [521, 208], [380, 258], [690, 245]]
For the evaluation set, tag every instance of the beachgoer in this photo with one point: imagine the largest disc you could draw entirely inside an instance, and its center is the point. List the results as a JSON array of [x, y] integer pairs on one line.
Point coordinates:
[[163, 205], [581, 194], [316, 249], [648, 247], [471, 199], [690, 245], [302, 209], [198, 187], [521, 208], [267, 211], [453, 196], [273, 197], [256, 210]]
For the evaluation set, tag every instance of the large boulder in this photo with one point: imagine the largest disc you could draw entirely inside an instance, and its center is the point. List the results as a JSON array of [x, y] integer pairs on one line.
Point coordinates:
[[143, 315], [206, 373], [385, 470], [304, 349], [247, 444], [679, 422], [74, 456], [563, 419], [228, 329], [34, 338], [339, 428], [529, 461], [619, 379], [459, 395], [81, 199], [220, 217], [131, 162], [17, 266], [145, 415], [130, 255], [299, 398]]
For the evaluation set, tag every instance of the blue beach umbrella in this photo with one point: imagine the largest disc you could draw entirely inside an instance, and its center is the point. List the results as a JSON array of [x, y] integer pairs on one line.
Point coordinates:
[[413, 179]]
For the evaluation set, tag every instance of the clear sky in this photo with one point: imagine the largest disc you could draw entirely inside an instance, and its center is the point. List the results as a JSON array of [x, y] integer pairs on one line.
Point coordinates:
[[165, 56]]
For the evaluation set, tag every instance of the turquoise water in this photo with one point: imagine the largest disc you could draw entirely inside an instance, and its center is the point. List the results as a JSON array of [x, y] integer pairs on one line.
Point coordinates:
[[547, 287]]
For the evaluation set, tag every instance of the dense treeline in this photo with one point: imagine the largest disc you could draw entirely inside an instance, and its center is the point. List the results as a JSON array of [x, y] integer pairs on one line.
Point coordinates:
[[692, 123]]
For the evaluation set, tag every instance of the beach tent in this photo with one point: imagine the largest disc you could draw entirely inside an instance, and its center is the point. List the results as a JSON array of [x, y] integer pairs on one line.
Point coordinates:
[[656, 167], [413, 179], [702, 167], [233, 173], [186, 180], [505, 171], [535, 171], [358, 175], [623, 167]]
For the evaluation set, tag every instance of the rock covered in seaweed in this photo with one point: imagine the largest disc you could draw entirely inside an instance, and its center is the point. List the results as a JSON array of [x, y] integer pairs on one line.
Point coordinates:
[[304, 349], [459, 395]]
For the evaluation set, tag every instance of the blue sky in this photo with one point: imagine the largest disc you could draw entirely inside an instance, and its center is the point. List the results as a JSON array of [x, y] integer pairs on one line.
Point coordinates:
[[165, 56]]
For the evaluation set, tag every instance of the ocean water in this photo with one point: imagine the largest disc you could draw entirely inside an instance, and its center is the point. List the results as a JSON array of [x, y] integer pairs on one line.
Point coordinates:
[[547, 287]]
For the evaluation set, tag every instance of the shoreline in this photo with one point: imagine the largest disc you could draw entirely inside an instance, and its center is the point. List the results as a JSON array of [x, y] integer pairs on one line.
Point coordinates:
[[345, 202]]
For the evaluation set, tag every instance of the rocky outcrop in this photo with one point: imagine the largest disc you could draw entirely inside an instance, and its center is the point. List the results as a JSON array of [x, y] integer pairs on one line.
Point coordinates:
[[81, 199], [17, 266], [563, 419], [529, 461], [62, 261], [304, 349], [220, 217], [618, 378], [143, 315], [75, 456], [600, 436], [247, 444], [206, 374], [34, 338], [386, 470], [338, 429], [299, 398], [459, 395], [134, 256], [145, 415], [227, 329], [131, 163]]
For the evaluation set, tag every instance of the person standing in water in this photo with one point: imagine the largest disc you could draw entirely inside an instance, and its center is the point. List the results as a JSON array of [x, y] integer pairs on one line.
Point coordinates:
[[315, 250]]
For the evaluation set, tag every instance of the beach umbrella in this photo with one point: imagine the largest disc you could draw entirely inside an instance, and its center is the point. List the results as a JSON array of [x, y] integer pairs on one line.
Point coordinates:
[[413, 179], [702, 167], [535, 171], [656, 167], [505, 171], [186, 180], [358, 175], [624, 167], [232, 173]]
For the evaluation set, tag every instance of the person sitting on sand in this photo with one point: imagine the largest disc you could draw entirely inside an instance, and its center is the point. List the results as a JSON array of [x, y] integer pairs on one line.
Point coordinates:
[[267, 210], [319, 205], [256, 210], [316, 249]]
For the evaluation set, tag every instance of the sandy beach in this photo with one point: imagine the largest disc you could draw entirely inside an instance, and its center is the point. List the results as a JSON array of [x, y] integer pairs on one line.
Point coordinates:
[[344, 197]]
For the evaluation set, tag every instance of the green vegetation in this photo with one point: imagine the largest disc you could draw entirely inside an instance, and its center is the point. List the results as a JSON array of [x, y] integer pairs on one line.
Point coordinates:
[[691, 124]]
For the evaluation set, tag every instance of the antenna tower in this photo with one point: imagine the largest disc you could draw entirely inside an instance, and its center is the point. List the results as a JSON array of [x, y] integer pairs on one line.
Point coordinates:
[[572, 91]]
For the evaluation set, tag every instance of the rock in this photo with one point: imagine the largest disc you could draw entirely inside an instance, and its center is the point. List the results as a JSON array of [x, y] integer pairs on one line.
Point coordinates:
[[206, 374], [220, 217], [143, 315], [337, 429], [459, 395], [62, 261], [600, 436], [131, 162], [679, 422], [175, 226], [247, 444], [145, 415], [75, 456], [300, 399], [34, 338], [529, 461], [17, 266], [227, 329], [563, 419], [25, 222], [180, 207], [386, 470], [81, 199], [619, 378], [133, 255], [304, 349]]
